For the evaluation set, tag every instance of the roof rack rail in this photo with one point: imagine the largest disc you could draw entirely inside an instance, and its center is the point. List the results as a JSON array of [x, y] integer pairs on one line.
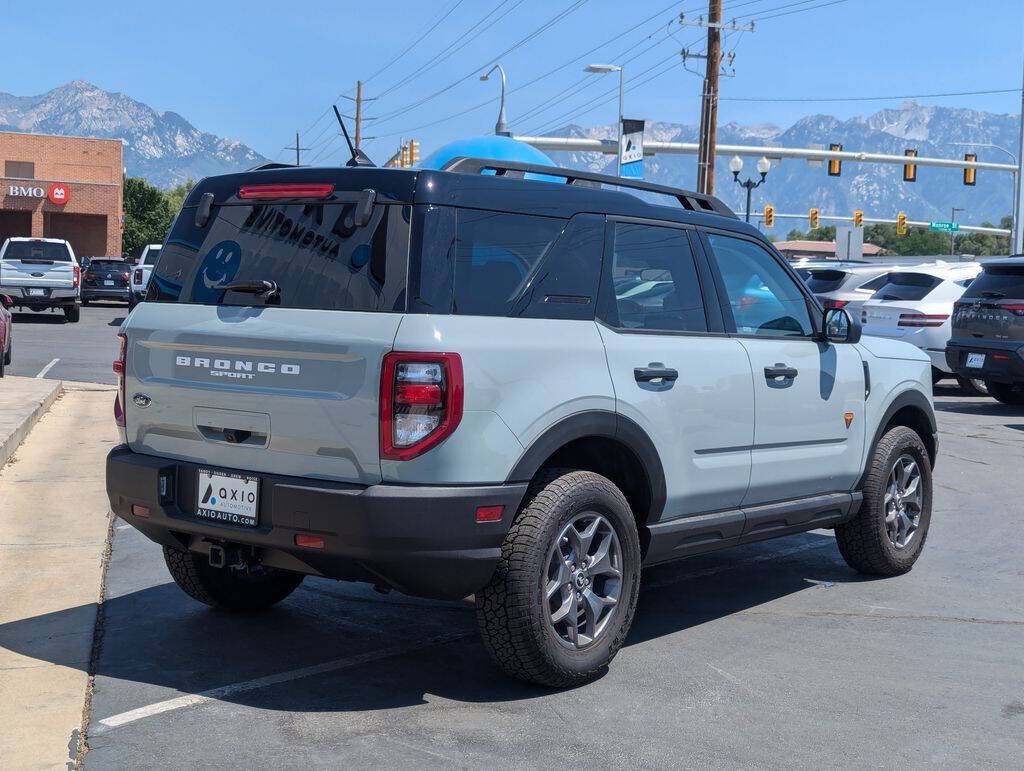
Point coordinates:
[[273, 165], [687, 199]]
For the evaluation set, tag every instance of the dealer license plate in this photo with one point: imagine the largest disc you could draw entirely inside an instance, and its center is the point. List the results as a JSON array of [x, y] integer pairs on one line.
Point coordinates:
[[975, 360], [227, 497], [37, 292]]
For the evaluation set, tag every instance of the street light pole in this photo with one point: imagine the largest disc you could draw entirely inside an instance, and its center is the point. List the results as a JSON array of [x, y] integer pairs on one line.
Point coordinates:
[[501, 127], [736, 166], [602, 69], [952, 233]]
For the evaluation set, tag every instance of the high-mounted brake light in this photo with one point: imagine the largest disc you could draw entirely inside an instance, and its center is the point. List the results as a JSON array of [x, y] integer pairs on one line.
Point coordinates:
[[286, 190], [922, 319], [421, 398], [119, 367]]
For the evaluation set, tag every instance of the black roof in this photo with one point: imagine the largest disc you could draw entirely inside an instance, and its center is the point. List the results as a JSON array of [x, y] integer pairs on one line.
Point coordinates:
[[471, 189], [1004, 262]]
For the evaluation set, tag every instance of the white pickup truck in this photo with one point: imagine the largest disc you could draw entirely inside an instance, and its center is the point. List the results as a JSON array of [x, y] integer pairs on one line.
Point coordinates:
[[41, 273], [143, 270]]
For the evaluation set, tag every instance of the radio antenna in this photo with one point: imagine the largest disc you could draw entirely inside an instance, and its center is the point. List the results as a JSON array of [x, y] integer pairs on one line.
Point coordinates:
[[359, 158]]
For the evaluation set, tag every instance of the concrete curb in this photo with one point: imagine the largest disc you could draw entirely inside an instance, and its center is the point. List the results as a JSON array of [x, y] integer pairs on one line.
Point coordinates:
[[10, 443]]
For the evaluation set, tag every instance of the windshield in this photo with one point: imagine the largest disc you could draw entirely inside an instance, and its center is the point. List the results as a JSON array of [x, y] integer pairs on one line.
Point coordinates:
[[37, 250], [906, 286], [998, 283], [316, 255]]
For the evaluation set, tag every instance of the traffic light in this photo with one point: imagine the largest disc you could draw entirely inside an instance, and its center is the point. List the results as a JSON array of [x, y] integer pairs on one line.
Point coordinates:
[[769, 216], [901, 224], [910, 169], [813, 218], [835, 166], [405, 156], [414, 152], [970, 173], [858, 218]]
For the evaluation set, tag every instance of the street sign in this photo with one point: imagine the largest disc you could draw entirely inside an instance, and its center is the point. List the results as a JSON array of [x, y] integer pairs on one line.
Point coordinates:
[[944, 227], [849, 243], [631, 150]]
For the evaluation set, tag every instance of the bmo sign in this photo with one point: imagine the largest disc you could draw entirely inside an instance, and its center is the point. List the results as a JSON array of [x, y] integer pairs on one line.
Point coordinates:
[[58, 193]]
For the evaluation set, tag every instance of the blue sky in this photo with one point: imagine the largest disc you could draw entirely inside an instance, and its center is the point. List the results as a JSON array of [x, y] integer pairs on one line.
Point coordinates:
[[258, 71]]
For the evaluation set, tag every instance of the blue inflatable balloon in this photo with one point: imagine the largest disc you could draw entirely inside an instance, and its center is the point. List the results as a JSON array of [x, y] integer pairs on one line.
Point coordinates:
[[497, 147]]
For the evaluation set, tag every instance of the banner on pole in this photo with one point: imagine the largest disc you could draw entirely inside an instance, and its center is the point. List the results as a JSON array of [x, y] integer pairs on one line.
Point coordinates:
[[631, 148]]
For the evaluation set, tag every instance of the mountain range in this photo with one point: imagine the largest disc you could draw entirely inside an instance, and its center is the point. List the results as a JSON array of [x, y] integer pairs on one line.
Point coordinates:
[[166, 149], [163, 147], [879, 190]]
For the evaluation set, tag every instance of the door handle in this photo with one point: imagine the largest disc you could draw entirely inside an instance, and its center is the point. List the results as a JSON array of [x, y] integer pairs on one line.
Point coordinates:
[[780, 371], [647, 374]]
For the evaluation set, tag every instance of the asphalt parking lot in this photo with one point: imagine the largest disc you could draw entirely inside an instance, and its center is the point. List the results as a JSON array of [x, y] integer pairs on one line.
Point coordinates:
[[771, 655], [45, 344]]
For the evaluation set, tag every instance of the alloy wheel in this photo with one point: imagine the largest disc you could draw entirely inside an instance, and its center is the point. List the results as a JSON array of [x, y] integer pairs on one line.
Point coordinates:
[[903, 501]]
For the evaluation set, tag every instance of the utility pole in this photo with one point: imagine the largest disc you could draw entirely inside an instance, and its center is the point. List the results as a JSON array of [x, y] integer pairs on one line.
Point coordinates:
[[358, 99], [709, 102], [952, 233], [298, 150]]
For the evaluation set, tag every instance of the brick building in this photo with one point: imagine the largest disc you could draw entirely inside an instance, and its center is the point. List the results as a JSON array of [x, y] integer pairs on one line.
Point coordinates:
[[62, 187]]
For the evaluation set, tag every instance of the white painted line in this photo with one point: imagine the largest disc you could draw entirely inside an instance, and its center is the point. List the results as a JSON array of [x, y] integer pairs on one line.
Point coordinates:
[[227, 691], [47, 368]]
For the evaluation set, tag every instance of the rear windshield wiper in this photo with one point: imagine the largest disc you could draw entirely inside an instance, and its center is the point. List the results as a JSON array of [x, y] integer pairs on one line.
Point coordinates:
[[268, 290], [993, 294]]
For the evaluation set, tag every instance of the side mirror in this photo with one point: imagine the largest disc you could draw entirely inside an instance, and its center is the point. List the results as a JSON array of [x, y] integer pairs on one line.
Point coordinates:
[[841, 327]]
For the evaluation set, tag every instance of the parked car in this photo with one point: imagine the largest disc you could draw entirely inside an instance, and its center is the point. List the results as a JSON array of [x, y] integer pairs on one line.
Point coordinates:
[[988, 330], [427, 380], [141, 273], [848, 286], [915, 304], [107, 279], [41, 274], [6, 334]]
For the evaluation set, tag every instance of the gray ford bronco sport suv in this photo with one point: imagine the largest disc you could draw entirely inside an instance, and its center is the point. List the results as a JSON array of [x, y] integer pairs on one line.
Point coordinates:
[[477, 382]]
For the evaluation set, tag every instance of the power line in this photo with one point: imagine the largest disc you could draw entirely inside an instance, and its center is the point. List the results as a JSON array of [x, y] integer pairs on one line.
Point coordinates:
[[867, 98], [416, 42], [798, 10]]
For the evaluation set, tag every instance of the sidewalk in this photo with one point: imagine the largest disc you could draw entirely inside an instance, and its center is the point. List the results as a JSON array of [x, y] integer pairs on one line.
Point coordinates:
[[23, 400], [53, 534]]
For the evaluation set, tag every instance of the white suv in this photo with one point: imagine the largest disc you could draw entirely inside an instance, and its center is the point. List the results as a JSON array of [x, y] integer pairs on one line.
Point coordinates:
[[915, 304], [461, 382]]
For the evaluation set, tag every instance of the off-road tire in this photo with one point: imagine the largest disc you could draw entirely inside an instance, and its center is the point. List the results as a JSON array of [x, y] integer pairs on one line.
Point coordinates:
[[226, 588], [972, 386], [1007, 393], [511, 610], [72, 313], [863, 541]]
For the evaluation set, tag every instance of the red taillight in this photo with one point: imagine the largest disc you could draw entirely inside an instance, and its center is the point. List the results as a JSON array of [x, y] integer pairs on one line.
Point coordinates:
[[309, 541], [1014, 308], [77, 278], [119, 366], [126, 276], [293, 190], [831, 305], [1000, 357], [138, 276], [922, 319], [420, 402]]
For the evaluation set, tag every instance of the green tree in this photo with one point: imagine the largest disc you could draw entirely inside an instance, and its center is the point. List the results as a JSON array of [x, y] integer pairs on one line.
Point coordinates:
[[147, 216], [176, 195], [827, 233]]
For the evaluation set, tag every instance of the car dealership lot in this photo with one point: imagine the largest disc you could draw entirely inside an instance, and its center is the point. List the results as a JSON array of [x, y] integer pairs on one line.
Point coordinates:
[[770, 654], [84, 351]]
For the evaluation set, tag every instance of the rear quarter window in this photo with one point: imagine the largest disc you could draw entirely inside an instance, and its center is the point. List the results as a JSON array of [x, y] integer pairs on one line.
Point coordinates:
[[825, 280], [315, 254], [906, 286]]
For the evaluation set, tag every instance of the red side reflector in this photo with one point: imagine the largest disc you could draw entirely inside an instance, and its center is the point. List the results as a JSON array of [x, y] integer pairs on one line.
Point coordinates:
[[140, 511], [295, 190], [309, 541], [1000, 357], [834, 304], [489, 513], [428, 394]]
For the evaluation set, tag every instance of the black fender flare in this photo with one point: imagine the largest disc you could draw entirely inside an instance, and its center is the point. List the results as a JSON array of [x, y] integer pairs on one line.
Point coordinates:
[[910, 398], [600, 423]]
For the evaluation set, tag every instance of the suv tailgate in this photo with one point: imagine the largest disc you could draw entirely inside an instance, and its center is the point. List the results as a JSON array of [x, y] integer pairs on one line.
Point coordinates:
[[272, 390]]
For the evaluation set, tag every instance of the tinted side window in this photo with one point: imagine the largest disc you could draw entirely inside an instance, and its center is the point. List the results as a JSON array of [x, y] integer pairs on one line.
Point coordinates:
[[825, 280], [763, 297], [655, 279], [496, 255], [873, 285], [906, 286]]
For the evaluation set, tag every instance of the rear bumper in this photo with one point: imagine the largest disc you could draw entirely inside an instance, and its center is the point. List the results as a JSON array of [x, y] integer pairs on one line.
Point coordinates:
[[1004, 360], [105, 293], [421, 540], [50, 297]]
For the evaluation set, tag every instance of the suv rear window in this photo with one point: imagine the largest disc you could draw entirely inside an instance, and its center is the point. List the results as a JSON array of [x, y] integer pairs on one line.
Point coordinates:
[[998, 283], [318, 258], [906, 286], [825, 280], [151, 256], [37, 250], [107, 265]]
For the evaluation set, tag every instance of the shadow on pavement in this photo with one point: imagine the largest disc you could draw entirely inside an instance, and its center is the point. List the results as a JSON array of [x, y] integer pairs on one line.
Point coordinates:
[[43, 317], [158, 636], [990, 407]]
